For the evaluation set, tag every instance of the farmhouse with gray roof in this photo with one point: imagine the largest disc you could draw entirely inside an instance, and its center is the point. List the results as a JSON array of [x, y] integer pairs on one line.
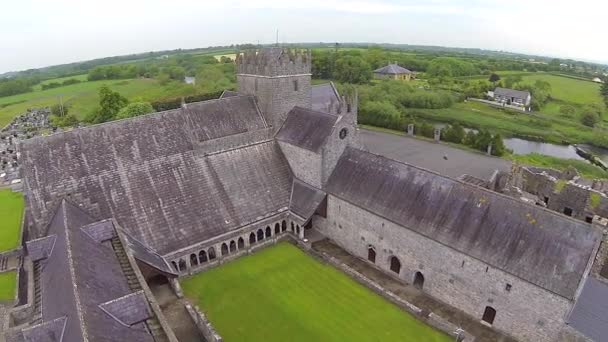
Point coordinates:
[[393, 71], [512, 97], [112, 208]]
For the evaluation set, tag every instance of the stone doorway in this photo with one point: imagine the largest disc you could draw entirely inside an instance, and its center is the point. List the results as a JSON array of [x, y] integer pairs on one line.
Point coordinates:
[[419, 281], [488, 315]]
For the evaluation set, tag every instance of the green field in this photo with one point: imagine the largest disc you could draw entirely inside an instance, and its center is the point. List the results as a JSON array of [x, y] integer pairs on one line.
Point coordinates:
[[83, 97], [585, 169], [11, 212], [8, 285], [550, 128], [568, 89], [82, 78], [282, 294]]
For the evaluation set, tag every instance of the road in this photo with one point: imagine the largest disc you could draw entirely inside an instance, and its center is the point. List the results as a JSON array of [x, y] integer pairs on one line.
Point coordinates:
[[430, 155]]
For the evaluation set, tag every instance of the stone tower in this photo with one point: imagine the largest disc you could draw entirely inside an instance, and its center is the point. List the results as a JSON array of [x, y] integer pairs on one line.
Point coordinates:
[[279, 78]]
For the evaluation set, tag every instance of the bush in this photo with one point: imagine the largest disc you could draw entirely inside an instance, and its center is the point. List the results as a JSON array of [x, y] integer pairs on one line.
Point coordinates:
[[425, 99], [454, 134], [381, 114], [567, 111], [425, 129], [134, 109], [68, 120], [590, 118]]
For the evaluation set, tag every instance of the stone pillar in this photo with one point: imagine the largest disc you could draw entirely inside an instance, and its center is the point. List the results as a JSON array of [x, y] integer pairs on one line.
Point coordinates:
[[302, 232], [489, 149], [410, 129], [437, 134]]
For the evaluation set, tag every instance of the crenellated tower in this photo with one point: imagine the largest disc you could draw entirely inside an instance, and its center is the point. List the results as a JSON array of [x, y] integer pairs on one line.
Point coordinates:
[[278, 77]]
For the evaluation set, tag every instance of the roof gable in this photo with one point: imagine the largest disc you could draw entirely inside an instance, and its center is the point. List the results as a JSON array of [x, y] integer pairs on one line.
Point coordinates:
[[324, 97], [307, 128], [392, 69], [537, 245]]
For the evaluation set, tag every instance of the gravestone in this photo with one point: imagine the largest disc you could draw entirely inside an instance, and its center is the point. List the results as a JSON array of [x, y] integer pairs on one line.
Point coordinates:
[[410, 129]]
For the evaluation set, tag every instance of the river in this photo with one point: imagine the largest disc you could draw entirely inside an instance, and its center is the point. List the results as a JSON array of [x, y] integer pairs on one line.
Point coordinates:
[[522, 146]]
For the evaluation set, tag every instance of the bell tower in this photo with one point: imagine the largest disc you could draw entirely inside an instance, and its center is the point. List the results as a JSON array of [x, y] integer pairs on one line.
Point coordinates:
[[279, 78]]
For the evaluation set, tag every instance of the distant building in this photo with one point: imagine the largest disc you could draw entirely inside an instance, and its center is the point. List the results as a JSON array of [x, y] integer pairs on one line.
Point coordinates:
[[598, 80], [512, 97], [393, 71], [190, 80]]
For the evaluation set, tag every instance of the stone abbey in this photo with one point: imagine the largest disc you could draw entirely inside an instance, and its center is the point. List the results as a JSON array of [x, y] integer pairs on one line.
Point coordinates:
[[114, 206]]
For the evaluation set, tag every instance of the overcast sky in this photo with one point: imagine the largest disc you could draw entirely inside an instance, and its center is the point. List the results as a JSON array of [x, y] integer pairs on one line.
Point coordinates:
[[48, 32]]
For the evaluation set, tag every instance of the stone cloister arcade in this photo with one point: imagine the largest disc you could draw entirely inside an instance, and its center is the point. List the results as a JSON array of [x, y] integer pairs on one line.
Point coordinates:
[[198, 259]]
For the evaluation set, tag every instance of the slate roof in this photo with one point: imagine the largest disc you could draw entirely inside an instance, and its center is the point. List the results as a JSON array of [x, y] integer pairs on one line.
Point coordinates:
[[305, 199], [80, 275], [534, 244], [307, 128], [392, 69], [518, 94], [228, 93], [145, 173], [146, 255], [129, 309], [50, 331], [590, 313], [40, 248], [324, 96]]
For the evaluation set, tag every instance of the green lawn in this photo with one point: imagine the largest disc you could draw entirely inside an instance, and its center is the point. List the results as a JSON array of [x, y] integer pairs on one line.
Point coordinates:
[[282, 294], [11, 211], [568, 89], [82, 77], [83, 97], [8, 285]]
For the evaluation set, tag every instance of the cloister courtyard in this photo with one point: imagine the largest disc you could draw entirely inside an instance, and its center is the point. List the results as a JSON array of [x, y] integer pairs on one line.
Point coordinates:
[[282, 294]]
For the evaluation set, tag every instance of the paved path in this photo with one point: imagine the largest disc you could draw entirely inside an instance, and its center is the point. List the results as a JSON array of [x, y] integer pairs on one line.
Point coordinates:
[[430, 155]]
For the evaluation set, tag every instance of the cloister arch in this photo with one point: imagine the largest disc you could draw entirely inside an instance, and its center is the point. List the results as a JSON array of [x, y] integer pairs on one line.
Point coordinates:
[[268, 232], [241, 243], [260, 234], [232, 246], [211, 253], [224, 249], [252, 238], [193, 259], [277, 228], [283, 226], [202, 256], [182, 265]]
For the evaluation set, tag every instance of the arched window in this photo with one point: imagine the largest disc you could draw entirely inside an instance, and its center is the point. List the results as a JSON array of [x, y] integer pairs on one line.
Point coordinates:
[[293, 228], [268, 232], [252, 238], [182, 265], [224, 249], [277, 228], [488, 315], [193, 259], [260, 234], [241, 243], [371, 254], [283, 226], [419, 280], [202, 256], [297, 229], [211, 253], [175, 265], [232, 246], [395, 265]]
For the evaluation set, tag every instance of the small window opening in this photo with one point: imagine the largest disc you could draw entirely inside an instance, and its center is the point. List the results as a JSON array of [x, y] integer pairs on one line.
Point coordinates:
[[508, 287], [546, 199], [589, 219], [568, 211], [295, 85]]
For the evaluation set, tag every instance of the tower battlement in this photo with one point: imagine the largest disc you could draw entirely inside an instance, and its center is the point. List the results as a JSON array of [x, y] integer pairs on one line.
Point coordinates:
[[274, 62]]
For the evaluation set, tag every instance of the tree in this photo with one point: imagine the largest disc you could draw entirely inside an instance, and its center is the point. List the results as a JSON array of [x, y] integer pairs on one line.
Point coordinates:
[[68, 120], [110, 103], [134, 109], [604, 91], [351, 69], [58, 111], [498, 145], [590, 118], [494, 78], [454, 134], [512, 80]]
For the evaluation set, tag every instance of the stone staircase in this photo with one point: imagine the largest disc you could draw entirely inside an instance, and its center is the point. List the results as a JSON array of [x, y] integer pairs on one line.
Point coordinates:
[[153, 324]]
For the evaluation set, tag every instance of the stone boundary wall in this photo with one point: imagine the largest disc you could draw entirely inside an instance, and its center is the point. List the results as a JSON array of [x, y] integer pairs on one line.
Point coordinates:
[[203, 324], [431, 319], [22, 315]]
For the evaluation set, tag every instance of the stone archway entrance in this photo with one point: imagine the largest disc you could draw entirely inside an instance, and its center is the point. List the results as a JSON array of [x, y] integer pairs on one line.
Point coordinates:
[[395, 265]]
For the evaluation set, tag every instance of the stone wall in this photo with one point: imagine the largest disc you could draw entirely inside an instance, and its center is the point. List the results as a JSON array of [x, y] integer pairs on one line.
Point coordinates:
[[334, 147], [277, 95], [305, 164], [524, 310], [203, 324]]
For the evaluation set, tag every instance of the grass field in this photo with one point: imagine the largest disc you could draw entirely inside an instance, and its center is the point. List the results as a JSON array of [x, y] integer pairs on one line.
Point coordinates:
[[282, 294], [11, 212], [568, 89], [82, 78], [550, 128], [8, 285], [585, 169], [83, 97]]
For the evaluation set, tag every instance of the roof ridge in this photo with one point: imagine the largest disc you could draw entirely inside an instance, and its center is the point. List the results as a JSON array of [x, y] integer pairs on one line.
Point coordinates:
[[458, 181]]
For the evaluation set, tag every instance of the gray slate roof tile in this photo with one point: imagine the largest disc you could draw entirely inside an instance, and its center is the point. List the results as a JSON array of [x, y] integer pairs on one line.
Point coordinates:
[[518, 94], [129, 309], [590, 313], [307, 128], [535, 244], [40, 248], [324, 96], [305, 199], [392, 69]]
